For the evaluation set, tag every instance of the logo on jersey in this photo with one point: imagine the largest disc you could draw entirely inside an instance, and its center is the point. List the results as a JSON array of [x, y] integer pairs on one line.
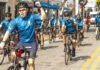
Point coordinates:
[[29, 23], [10, 27]]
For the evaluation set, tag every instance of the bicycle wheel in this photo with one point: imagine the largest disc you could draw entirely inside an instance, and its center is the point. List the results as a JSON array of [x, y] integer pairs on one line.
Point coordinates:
[[49, 39], [9, 53], [67, 55], [97, 36], [14, 67], [2, 55], [11, 68]]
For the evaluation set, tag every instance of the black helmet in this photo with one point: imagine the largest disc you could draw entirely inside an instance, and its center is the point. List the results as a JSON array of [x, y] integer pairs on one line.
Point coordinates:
[[7, 14], [22, 5], [66, 13]]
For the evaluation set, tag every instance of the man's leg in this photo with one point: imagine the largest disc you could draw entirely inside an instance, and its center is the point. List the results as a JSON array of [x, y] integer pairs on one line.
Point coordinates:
[[31, 63]]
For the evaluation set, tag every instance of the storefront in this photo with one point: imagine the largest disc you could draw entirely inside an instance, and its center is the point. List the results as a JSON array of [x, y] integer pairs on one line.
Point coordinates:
[[2, 10]]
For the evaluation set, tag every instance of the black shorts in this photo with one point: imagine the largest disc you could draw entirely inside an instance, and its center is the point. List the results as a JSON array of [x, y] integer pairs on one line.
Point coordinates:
[[38, 30], [74, 34]]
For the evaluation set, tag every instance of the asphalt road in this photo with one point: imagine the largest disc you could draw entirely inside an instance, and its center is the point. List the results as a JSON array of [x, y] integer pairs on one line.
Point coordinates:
[[52, 56]]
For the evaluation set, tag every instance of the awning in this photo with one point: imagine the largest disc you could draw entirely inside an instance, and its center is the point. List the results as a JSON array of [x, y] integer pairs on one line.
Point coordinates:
[[46, 5]]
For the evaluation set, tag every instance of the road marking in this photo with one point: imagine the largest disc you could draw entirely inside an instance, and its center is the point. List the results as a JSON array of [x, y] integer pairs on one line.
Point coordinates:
[[86, 64], [96, 62]]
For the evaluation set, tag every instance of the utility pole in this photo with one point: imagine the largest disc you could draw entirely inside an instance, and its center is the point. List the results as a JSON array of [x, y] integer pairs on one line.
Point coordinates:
[[74, 6], [48, 11]]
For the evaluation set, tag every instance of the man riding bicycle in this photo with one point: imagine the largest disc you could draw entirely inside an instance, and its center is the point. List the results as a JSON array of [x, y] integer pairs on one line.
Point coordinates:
[[81, 26], [52, 25], [25, 23], [69, 26], [97, 20], [4, 24]]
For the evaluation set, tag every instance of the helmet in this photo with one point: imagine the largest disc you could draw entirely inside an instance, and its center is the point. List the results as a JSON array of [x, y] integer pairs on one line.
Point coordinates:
[[7, 14], [66, 13], [22, 5]]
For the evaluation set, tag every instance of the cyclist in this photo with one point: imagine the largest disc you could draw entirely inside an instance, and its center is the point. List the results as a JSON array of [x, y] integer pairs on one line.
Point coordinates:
[[81, 26], [97, 20], [4, 24], [39, 30], [52, 25], [87, 21], [69, 26], [25, 25]]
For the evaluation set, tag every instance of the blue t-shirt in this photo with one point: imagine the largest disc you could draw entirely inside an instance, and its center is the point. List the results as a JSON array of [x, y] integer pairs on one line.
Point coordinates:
[[5, 24], [52, 22], [80, 24], [38, 22], [25, 26], [97, 19], [69, 26]]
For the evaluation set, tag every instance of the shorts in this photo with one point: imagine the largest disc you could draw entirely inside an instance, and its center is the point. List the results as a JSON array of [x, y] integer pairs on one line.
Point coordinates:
[[74, 34], [38, 30], [32, 48]]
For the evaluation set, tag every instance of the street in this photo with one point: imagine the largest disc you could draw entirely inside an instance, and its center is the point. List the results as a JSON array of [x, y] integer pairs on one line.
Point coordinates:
[[52, 56]]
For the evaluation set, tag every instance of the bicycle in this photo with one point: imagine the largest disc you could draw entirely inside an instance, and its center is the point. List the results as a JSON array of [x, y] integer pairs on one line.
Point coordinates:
[[52, 34], [18, 66], [68, 48], [38, 37], [80, 38], [98, 33], [5, 52]]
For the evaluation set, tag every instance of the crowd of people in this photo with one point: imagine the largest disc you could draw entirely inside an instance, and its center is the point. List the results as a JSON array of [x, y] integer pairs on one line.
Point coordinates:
[[28, 29]]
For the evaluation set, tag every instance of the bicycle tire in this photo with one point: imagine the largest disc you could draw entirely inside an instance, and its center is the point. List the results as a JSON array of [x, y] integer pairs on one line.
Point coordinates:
[[67, 55], [13, 68], [2, 56], [97, 36]]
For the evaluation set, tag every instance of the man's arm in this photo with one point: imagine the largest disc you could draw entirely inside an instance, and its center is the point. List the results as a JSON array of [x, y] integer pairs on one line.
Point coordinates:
[[6, 36], [43, 14]]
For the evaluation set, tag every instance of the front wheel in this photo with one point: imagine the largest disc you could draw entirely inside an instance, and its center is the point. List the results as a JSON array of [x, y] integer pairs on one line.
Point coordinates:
[[67, 55], [2, 55]]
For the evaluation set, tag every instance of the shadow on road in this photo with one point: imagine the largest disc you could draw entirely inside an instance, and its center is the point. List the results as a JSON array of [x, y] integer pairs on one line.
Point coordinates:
[[76, 59], [58, 41], [86, 44], [86, 37], [81, 58], [49, 47], [91, 30]]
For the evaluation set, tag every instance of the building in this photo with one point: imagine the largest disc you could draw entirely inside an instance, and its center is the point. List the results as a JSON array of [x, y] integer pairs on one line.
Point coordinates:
[[91, 4], [7, 6]]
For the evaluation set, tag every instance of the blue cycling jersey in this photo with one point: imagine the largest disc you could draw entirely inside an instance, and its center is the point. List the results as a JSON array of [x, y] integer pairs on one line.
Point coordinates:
[[25, 26], [38, 22], [80, 24], [52, 21], [97, 19], [5, 24], [69, 25]]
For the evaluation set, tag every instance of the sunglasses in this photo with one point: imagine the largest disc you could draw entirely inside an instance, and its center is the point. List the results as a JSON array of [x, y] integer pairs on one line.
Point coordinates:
[[21, 10]]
